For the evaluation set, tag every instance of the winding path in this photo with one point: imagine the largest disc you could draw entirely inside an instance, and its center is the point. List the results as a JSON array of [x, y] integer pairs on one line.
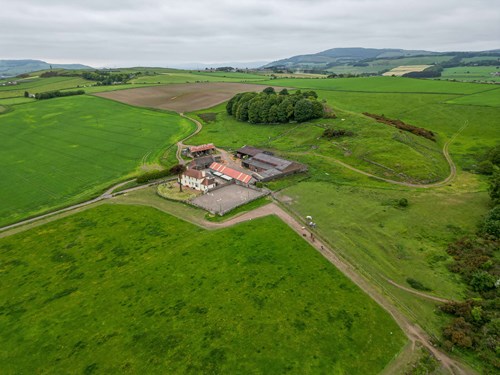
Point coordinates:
[[180, 144], [446, 154]]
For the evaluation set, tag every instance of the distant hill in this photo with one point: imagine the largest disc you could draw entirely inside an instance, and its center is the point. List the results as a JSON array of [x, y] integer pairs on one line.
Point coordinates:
[[12, 68], [356, 56]]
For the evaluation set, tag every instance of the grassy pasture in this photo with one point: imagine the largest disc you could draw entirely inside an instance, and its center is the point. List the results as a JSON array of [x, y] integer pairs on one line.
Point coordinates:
[[131, 289], [490, 98], [379, 65], [59, 151], [380, 84], [193, 77], [471, 73], [34, 85], [385, 241]]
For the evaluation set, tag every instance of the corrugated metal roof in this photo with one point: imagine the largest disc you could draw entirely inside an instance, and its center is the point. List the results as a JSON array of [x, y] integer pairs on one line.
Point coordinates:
[[249, 150], [233, 173]]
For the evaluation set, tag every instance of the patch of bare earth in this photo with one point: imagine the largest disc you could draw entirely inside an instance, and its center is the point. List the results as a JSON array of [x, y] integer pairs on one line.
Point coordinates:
[[185, 97]]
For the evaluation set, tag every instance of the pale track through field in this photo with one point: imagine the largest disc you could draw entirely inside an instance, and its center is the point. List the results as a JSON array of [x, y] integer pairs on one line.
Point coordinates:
[[412, 331], [446, 154]]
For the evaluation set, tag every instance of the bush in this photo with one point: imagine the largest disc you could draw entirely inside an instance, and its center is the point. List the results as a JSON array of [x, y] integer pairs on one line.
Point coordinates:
[[403, 202], [57, 94], [336, 133], [415, 284], [150, 176]]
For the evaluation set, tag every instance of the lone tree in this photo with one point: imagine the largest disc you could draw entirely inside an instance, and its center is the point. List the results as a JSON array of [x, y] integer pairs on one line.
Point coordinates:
[[178, 169]]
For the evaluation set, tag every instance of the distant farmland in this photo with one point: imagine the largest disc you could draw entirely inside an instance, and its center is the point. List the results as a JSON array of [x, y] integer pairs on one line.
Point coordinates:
[[181, 97], [59, 151], [402, 70]]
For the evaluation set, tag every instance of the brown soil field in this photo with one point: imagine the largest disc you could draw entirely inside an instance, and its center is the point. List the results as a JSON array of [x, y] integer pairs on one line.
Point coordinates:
[[185, 97]]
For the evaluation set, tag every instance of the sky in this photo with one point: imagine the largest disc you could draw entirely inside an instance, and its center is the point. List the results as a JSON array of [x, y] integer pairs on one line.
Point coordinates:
[[113, 33]]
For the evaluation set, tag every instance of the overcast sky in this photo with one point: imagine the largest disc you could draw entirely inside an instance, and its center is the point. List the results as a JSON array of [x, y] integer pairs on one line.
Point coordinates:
[[166, 32]]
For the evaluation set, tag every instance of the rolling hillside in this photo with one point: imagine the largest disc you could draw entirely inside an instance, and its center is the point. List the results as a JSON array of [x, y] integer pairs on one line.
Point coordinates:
[[11, 68]]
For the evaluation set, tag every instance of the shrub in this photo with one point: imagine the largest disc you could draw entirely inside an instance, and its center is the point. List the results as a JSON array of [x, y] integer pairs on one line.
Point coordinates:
[[415, 284], [403, 202], [150, 176]]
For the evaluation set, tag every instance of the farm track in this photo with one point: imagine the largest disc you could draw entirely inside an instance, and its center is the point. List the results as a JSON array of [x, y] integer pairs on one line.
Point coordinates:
[[412, 331], [446, 154], [180, 144]]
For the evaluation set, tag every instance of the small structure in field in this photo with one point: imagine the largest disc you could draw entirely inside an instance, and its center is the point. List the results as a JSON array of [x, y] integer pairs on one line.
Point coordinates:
[[204, 162], [202, 150], [197, 180], [229, 174]]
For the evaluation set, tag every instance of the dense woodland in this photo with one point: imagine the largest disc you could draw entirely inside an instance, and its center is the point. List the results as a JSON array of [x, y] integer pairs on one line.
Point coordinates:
[[476, 323], [55, 94], [269, 107]]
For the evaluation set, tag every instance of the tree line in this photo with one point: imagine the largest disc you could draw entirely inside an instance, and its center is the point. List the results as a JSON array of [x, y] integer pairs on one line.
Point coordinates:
[[107, 78], [269, 107], [476, 323], [55, 94]]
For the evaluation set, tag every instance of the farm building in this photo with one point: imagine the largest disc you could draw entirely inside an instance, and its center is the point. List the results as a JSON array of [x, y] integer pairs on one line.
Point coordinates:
[[268, 167], [197, 180], [248, 152], [204, 162], [230, 174], [203, 150]]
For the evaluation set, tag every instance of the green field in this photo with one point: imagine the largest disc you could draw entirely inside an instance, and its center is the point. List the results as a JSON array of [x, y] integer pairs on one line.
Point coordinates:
[[379, 65], [490, 98], [380, 84], [358, 215], [60, 151], [122, 289], [36, 85], [191, 77], [472, 73]]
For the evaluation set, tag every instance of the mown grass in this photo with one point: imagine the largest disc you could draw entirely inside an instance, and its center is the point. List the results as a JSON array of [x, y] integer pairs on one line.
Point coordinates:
[[131, 289], [59, 151]]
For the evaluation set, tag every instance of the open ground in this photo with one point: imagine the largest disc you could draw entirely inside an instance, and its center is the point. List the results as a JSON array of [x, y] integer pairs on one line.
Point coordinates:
[[358, 215], [221, 300], [181, 97]]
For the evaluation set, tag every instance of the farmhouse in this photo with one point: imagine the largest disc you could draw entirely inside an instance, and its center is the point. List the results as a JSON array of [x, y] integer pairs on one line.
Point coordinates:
[[268, 167], [197, 180], [230, 174], [203, 150]]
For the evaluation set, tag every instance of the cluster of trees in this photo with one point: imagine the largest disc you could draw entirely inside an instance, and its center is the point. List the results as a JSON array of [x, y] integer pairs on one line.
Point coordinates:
[[330, 133], [55, 94], [476, 323], [104, 78], [269, 107], [489, 161], [403, 126]]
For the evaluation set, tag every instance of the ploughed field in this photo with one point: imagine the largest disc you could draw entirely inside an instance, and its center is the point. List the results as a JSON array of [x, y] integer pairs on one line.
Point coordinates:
[[59, 151], [127, 289], [181, 97]]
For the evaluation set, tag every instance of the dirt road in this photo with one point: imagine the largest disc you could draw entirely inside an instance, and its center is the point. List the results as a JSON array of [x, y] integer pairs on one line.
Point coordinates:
[[412, 331]]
